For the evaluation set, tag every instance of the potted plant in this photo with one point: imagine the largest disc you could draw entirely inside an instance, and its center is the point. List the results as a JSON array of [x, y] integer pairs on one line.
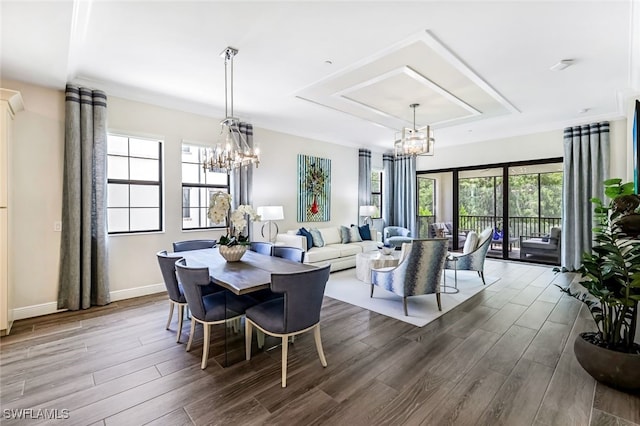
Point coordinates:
[[611, 277], [234, 244]]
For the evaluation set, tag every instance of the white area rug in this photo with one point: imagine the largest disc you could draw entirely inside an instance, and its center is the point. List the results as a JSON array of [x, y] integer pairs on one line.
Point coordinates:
[[344, 286]]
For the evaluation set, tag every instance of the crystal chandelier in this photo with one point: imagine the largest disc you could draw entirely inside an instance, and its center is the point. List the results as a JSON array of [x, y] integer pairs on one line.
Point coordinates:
[[415, 141], [233, 150]]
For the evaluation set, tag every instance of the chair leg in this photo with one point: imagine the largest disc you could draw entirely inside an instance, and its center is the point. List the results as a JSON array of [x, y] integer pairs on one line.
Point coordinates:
[[439, 300], [404, 303], [205, 348], [180, 318], [482, 276], [316, 336], [170, 314], [371, 291], [247, 338], [260, 336], [193, 331], [285, 350]]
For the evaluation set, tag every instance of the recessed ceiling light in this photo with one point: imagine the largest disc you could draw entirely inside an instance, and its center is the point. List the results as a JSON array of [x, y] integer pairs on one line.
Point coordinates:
[[564, 63]]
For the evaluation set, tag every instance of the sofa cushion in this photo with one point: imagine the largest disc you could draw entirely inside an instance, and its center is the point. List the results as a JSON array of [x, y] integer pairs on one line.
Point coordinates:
[[345, 235], [331, 235], [347, 249], [354, 234], [366, 245], [365, 232], [318, 241], [319, 254], [307, 234]]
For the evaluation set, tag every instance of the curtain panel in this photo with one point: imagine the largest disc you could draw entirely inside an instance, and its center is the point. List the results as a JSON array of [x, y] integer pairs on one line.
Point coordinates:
[[387, 189], [83, 276], [586, 167], [364, 177], [404, 193]]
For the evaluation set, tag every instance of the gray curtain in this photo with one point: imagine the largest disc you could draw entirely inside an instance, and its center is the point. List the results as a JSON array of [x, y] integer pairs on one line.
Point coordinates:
[[586, 167], [404, 193], [387, 189], [364, 177], [242, 177], [83, 277]]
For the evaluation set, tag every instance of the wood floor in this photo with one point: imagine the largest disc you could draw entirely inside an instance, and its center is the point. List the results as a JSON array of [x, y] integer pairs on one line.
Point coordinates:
[[503, 357]]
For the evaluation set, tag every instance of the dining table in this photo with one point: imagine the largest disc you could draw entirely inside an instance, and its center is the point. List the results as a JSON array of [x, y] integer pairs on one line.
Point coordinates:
[[250, 274]]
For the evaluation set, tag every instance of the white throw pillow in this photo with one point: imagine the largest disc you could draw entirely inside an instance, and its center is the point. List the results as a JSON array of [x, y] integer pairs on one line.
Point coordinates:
[[471, 242], [354, 234]]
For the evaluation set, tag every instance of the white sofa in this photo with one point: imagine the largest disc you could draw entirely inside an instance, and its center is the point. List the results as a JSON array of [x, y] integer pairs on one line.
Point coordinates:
[[338, 255]]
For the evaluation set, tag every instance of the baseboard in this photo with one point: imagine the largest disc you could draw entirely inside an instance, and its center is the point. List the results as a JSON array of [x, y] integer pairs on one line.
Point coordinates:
[[52, 307]]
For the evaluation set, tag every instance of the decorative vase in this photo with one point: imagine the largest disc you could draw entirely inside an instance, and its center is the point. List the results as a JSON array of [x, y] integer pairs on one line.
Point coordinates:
[[233, 253], [617, 369]]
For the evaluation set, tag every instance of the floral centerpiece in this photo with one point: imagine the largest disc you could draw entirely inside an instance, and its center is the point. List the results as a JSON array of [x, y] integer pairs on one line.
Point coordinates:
[[237, 221]]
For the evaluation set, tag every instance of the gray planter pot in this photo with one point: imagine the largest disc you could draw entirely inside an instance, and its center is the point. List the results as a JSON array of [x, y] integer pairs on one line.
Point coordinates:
[[616, 369]]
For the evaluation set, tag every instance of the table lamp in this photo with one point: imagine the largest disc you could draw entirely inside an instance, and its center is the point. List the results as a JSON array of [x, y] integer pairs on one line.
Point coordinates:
[[269, 214], [367, 212]]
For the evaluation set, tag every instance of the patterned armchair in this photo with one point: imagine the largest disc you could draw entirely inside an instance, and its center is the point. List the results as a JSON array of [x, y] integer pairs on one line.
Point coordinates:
[[418, 273], [473, 255]]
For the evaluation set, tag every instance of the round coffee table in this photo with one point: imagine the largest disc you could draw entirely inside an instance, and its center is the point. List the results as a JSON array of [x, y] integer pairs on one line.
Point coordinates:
[[367, 261]]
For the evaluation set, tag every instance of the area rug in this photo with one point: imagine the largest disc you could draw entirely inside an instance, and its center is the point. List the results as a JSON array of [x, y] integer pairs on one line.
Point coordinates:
[[344, 286]]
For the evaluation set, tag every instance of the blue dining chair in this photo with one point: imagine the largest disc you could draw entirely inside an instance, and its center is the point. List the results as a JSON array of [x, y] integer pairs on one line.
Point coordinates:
[[290, 253], [295, 313], [193, 245], [261, 247], [208, 309], [174, 289]]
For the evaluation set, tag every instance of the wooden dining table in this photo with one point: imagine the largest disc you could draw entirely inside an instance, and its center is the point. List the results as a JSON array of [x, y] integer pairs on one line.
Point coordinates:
[[250, 274]]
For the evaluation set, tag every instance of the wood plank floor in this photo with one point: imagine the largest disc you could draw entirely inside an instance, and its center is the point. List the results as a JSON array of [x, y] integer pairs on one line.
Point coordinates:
[[505, 356]]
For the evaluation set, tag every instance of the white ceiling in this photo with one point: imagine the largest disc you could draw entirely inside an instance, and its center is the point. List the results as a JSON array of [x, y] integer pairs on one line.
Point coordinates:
[[480, 70]]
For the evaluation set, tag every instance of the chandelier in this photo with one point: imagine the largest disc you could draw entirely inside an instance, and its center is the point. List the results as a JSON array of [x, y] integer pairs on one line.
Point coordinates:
[[233, 150], [415, 141]]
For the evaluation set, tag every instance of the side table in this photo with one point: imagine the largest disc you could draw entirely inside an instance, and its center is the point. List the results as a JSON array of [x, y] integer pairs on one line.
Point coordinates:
[[367, 261], [446, 288]]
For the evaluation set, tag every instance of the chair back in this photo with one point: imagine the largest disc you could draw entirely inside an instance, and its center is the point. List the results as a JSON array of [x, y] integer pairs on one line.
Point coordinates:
[[425, 263], [168, 268], [303, 293], [396, 231], [261, 247], [193, 279], [291, 253], [193, 245]]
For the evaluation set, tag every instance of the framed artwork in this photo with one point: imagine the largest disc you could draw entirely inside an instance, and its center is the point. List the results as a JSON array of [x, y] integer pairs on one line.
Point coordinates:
[[636, 148], [314, 189]]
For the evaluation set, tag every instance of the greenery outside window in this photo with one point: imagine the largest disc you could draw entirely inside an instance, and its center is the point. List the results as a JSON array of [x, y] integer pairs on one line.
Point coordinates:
[[134, 184], [426, 205], [197, 186], [376, 192]]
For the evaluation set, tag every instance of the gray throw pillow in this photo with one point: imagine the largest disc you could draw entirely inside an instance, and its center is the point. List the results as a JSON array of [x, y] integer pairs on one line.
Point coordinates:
[[317, 237], [345, 235], [354, 234]]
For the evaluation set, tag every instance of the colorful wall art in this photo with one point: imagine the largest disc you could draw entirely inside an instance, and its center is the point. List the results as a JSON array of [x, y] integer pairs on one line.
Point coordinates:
[[314, 189]]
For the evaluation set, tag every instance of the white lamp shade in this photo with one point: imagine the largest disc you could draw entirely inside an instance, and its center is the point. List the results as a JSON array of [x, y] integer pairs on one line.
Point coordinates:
[[368, 211], [270, 213]]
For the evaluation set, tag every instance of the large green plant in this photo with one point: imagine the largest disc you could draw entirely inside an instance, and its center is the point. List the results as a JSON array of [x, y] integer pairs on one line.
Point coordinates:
[[611, 275]]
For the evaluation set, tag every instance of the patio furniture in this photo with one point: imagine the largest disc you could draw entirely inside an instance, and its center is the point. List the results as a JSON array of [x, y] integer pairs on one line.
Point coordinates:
[[546, 246]]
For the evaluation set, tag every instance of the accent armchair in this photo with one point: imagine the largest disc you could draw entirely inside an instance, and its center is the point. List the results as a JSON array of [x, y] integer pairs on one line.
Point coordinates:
[[418, 273], [473, 255], [394, 236]]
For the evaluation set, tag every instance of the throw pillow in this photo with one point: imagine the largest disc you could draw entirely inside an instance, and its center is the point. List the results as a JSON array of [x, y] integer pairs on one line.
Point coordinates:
[[365, 232], [308, 235], [545, 238], [317, 237], [354, 234], [470, 243], [345, 235]]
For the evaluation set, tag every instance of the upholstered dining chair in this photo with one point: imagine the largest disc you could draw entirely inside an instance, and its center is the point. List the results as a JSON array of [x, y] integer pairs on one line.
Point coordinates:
[[295, 313], [193, 245], [290, 253], [418, 273], [208, 309], [176, 295], [261, 247], [473, 254]]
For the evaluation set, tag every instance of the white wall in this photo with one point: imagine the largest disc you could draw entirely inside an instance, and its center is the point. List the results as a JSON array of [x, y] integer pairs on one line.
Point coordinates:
[[37, 156]]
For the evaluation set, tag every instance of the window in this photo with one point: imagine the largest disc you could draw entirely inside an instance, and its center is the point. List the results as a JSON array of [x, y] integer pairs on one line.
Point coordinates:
[[426, 205], [197, 186], [376, 192], [134, 184]]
